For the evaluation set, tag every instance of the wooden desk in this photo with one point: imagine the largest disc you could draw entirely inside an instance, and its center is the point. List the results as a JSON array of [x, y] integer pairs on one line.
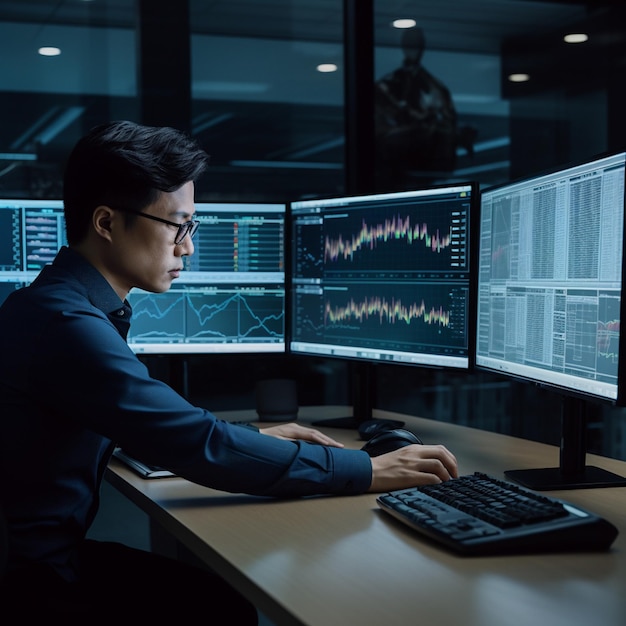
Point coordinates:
[[340, 561]]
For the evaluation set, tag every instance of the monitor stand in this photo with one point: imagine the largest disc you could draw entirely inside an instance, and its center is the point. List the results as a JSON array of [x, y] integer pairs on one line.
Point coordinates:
[[572, 473], [363, 396]]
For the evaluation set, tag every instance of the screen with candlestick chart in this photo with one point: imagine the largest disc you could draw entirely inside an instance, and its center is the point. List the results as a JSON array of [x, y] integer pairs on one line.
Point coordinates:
[[384, 277]]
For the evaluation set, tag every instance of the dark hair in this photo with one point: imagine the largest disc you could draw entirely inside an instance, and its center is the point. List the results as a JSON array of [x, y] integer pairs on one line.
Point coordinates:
[[125, 164]]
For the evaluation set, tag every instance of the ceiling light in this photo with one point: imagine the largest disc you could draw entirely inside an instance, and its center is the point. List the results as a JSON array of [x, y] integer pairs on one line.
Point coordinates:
[[49, 51], [575, 38], [326, 67], [404, 23], [519, 78]]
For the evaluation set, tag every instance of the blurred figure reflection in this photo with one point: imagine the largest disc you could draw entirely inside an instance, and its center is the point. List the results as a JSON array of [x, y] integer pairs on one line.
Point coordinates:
[[416, 122]]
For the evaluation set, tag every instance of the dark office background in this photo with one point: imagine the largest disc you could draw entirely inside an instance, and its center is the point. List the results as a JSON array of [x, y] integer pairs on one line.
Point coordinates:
[[240, 75]]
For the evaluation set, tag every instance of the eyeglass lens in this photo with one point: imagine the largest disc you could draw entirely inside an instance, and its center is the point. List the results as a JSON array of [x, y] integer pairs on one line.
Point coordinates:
[[188, 228]]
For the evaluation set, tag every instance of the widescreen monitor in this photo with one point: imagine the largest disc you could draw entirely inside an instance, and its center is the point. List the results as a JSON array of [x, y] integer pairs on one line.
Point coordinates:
[[230, 299], [550, 278], [383, 278]]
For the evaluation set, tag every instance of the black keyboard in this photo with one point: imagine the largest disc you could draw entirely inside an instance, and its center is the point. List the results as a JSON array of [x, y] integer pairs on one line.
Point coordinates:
[[481, 515]]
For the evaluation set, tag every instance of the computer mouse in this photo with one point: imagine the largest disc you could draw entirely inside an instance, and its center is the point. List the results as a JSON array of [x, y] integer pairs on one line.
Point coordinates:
[[368, 428], [389, 440]]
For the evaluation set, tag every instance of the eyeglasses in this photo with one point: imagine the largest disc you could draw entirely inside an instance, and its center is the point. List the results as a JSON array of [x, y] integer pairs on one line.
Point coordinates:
[[186, 228]]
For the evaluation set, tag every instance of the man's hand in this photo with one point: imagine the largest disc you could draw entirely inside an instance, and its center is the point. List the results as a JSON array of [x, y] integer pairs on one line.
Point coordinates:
[[411, 466], [293, 431]]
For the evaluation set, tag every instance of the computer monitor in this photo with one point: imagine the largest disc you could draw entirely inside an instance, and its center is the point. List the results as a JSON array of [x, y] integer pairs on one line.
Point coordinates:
[[383, 279], [31, 233], [230, 299], [550, 279]]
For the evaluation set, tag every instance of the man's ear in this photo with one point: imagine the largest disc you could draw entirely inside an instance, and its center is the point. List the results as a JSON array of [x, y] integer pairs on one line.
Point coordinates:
[[102, 221]]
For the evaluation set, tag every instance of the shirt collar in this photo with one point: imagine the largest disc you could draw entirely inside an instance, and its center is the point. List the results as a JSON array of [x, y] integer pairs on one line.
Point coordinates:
[[99, 291]]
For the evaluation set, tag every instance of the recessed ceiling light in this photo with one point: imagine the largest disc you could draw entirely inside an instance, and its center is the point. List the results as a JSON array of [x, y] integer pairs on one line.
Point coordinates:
[[49, 51], [575, 38], [403, 23], [519, 78], [326, 67]]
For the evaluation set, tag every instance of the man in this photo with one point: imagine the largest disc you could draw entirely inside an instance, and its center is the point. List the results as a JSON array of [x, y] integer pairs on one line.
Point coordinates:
[[71, 389], [416, 120]]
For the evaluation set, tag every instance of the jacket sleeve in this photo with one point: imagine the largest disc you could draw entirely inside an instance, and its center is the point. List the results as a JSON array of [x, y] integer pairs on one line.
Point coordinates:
[[88, 375]]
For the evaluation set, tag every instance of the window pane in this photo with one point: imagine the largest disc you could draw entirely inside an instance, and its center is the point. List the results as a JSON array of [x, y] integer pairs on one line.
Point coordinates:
[[48, 102], [503, 129], [272, 122]]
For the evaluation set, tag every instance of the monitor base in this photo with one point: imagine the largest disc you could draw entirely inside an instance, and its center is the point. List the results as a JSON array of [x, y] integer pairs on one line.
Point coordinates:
[[553, 478]]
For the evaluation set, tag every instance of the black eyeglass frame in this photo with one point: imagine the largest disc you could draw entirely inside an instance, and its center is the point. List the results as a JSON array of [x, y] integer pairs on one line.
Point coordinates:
[[186, 228]]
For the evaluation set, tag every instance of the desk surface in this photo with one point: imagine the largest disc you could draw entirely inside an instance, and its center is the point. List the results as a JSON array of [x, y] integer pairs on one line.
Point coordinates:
[[340, 560]]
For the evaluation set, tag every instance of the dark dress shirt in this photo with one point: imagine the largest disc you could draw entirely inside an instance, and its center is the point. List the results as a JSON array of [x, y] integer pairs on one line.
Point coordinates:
[[71, 389]]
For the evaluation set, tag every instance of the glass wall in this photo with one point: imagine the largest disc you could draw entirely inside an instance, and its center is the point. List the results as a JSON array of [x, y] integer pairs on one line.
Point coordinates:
[[65, 67], [495, 90], [270, 112], [440, 114], [272, 115]]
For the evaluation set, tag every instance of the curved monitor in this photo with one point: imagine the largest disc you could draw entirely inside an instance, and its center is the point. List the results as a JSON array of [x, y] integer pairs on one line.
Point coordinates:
[[550, 277], [383, 278]]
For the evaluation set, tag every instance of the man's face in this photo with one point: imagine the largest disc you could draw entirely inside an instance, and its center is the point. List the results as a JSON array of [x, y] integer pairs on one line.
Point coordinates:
[[145, 254]]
